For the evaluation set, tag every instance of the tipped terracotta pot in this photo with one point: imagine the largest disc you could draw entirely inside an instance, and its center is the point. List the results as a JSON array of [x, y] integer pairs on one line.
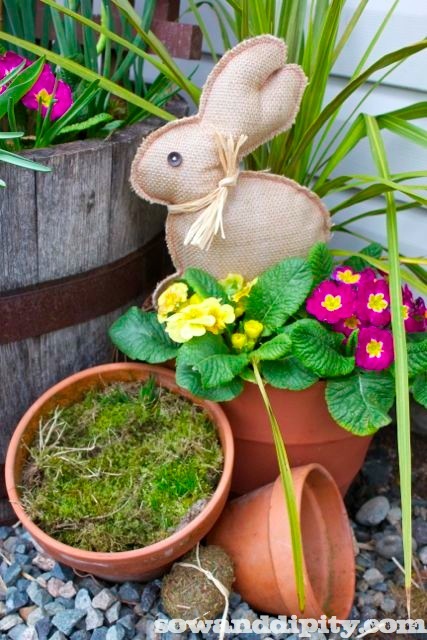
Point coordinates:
[[254, 530], [140, 564], [309, 433]]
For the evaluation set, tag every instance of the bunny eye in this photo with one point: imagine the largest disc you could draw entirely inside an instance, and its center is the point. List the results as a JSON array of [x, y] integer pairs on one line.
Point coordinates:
[[174, 159]]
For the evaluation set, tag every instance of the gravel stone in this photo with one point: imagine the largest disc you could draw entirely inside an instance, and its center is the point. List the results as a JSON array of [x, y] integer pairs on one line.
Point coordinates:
[[43, 628], [67, 620], [374, 511], [128, 622], [116, 632], [94, 618], [54, 586], [62, 572], [390, 546], [104, 599], [15, 599], [99, 634], [58, 635], [388, 605], [43, 562], [10, 621], [394, 516], [68, 590], [83, 600], [53, 608], [149, 596], [11, 574], [113, 613], [5, 532], [16, 632], [81, 634], [29, 634], [420, 531], [35, 615], [373, 576], [129, 592], [423, 555], [38, 595]]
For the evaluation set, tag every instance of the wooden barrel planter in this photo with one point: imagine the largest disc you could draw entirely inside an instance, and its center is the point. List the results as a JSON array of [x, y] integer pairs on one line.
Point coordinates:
[[77, 247]]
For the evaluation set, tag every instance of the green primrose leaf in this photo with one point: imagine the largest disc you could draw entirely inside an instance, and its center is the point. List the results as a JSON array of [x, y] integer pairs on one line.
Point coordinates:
[[140, 336], [279, 292], [288, 373], [419, 389], [361, 402], [417, 357], [211, 358], [204, 284], [321, 262], [189, 378], [374, 250], [318, 349], [274, 349]]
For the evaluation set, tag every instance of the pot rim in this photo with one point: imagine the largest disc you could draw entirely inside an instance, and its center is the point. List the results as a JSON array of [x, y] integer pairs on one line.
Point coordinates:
[[166, 379]]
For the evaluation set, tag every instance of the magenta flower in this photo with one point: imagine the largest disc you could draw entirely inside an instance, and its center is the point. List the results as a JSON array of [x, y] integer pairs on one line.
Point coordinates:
[[414, 312], [348, 325], [374, 349], [368, 275], [373, 303], [347, 275], [8, 62], [47, 89], [331, 301]]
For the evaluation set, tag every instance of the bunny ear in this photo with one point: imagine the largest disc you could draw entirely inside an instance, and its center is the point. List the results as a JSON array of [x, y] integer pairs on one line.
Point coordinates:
[[252, 91]]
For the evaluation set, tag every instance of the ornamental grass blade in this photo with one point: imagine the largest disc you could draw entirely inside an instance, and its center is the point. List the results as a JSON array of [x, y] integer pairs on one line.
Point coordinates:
[[288, 489], [401, 359], [88, 75]]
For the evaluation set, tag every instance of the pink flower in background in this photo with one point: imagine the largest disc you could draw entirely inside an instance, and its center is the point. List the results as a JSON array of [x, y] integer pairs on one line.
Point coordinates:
[[348, 325], [373, 303], [331, 301], [8, 62], [368, 275], [374, 349], [347, 275], [47, 89], [414, 312]]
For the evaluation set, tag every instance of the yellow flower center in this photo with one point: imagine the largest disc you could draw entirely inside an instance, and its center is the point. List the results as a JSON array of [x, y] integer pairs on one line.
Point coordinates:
[[377, 302], [44, 98], [348, 276], [332, 303], [374, 348], [405, 311], [352, 323]]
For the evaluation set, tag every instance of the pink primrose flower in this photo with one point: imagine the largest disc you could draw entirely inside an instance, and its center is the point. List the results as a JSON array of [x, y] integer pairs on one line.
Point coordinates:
[[331, 301], [373, 303], [374, 349], [47, 89]]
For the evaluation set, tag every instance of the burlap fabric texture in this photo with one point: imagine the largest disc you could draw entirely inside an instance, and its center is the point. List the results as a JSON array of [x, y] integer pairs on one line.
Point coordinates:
[[251, 92]]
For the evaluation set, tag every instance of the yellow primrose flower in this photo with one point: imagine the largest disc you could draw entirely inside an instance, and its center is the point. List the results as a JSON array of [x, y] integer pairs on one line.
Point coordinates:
[[171, 299], [192, 320], [238, 340], [222, 313], [195, 299], [244, 291], [232, 283], [239, 309], [253, 328]]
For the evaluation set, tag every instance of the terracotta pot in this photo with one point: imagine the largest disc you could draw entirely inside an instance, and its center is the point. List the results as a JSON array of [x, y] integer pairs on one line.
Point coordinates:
[[254, 530], [309, 432], [140, 564]]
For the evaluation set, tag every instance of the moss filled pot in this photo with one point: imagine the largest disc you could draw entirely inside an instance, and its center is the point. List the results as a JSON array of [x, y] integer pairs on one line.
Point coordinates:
[[116, 471]]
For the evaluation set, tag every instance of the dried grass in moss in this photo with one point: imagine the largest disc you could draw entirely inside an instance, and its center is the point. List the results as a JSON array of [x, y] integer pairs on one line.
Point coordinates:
[[121, 469]]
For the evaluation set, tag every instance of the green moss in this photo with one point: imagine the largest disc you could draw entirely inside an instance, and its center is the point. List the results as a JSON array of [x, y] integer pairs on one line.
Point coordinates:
[[121, 469]]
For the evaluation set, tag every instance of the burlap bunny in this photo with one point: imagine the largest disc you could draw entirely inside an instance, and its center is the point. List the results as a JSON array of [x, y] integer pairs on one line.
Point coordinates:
[[221, 219]]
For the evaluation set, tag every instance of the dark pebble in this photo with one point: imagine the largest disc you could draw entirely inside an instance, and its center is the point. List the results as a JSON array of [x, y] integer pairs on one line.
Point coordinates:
[[420, 531], [149, 596], [12, 574], [43, 628]]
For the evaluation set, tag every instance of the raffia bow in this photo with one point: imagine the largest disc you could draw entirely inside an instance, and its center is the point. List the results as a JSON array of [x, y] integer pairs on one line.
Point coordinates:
[[210, 221]]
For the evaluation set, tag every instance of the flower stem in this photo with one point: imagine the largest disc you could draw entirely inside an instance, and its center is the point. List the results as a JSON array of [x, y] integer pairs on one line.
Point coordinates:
[[288, 489]]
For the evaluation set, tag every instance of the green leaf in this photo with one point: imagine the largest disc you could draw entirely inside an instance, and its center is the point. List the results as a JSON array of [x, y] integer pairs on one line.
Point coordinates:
[[19, 161], [274, 349], [417, 357], [317, 349], [321, 262], [20, 85], [204, 284], [140, 336], [189, 378], [360, 402], [419, 389], [288, 373], [279, 292], [210, 356], [374, 250], [95, 120]]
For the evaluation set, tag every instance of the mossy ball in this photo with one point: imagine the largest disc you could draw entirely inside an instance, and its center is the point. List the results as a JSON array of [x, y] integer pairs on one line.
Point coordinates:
[[188, 593]]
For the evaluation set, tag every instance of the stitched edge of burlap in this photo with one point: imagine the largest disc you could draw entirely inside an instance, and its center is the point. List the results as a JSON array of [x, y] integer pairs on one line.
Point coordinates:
[[198, 117]]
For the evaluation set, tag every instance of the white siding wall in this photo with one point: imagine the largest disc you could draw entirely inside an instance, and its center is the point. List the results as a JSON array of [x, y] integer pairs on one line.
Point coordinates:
[[405, 85]]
